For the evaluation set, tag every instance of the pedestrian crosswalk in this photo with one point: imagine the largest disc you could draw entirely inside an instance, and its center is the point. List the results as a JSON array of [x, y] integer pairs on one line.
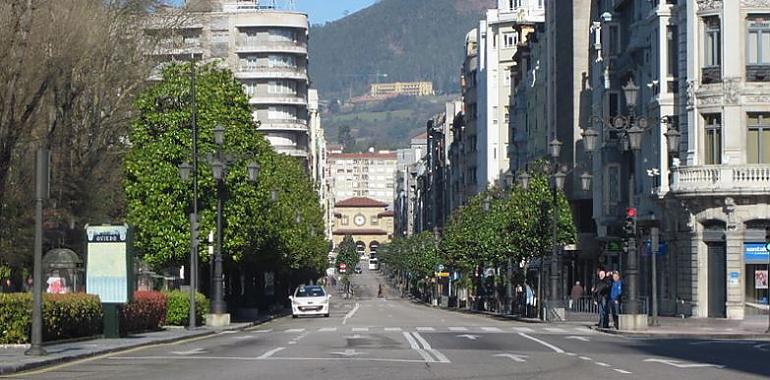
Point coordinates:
[[565, 330]]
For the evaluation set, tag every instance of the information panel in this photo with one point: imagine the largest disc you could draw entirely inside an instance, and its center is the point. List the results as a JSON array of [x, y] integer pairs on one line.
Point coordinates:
[[108, 265]]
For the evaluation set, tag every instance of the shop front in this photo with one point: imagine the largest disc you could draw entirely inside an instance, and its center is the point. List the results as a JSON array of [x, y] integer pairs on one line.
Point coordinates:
[[756, 259]]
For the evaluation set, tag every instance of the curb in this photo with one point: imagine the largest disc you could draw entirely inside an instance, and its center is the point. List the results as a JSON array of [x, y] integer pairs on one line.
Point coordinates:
[[12, 368], [476, 312], [674, 335]]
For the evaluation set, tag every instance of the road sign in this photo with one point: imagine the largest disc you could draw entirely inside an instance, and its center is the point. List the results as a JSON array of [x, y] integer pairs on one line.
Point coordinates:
[[442, 274], [343, 267]]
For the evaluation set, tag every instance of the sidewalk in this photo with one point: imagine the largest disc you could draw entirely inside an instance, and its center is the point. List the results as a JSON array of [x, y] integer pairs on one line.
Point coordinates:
[[12, 358], [753, 327]]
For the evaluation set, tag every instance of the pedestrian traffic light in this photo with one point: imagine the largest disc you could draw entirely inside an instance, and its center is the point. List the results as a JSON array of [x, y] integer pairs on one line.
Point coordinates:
[[629, 227]]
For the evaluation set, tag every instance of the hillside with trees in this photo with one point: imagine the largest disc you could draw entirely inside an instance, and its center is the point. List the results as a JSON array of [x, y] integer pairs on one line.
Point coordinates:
[[408, 40]]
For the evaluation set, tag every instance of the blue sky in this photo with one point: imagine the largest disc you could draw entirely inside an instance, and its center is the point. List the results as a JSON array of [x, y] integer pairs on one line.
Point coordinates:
[[321, 11]]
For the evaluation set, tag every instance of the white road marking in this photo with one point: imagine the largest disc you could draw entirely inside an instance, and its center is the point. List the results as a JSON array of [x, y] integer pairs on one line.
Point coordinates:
[[349, 353], [723, 342], [360, 329], [570, 354], [492, 329], [441, 358], [263, 331], [585, 358], [327, 329], [241, 358], [622, 371], [516, 358], [270, 353], [763, 347], [413, 344], [189, 352], [426, 329], [679, 364], [468, 336], [229, 332], [244, 337], [555, 330], [392, 329], [544, 343], [350, 314], [524, 329], [294, 330], [458, 329], [580, 338], [602, 364]]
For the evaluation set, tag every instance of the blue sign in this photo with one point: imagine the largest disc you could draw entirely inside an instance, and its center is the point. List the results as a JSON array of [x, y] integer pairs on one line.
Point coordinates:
[[755, 253], [647, 248]]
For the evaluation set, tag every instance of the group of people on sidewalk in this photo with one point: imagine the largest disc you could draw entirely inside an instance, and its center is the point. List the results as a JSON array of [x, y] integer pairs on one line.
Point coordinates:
[[608, 295]]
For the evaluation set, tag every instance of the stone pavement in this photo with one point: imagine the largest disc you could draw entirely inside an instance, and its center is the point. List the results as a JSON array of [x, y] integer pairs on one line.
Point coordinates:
[[753, 327], [12, 358]]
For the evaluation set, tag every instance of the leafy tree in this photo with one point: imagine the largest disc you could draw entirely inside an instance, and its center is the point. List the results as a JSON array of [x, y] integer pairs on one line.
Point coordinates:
[[347, 252], [346, 138]]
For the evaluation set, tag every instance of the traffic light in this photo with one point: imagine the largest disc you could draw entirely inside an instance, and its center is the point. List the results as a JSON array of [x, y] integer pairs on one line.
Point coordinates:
[[194, 230], [629, 226]]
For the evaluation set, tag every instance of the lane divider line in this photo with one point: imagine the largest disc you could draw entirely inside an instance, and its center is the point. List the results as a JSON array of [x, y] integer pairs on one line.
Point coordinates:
[[416, 347], [622, 371], [270, 353], [544, 343], [441, 357], [350, 313]]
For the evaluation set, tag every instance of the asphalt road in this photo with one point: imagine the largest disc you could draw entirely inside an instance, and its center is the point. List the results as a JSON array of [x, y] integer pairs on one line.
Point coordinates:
[[388, 338]]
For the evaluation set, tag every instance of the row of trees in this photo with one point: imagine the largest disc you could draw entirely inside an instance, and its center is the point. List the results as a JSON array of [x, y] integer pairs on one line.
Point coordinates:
[[286, 230], [493, 227]]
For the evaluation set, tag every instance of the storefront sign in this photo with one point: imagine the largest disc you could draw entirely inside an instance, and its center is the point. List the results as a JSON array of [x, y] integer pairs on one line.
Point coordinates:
[[734, 278], [755, 253], [760, 279], [108, 268]]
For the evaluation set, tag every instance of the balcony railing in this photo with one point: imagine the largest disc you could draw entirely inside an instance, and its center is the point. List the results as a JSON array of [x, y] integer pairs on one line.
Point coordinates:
[[758, 73], [711, 74], [283, 124], [256, 46], [277, 99], [257, 72], [721, 179]]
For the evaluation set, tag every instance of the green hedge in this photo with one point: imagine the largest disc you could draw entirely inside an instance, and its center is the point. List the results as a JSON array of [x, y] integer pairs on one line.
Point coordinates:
[[178, 308], [145, 312], [65, 316]]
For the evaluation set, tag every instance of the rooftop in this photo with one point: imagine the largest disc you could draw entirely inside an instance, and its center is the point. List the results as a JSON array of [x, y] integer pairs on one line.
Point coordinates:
[[360, 202], [374, 155]]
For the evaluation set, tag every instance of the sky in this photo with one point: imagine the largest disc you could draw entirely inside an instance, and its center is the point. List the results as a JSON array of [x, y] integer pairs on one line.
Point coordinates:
[[321, 11]]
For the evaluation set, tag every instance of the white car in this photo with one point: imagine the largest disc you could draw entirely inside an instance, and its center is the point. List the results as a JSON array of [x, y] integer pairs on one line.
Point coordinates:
[[310, 300]]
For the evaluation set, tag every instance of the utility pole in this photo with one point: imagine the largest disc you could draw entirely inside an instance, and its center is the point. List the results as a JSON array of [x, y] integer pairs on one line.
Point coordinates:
[[41, 193], [655, 248]]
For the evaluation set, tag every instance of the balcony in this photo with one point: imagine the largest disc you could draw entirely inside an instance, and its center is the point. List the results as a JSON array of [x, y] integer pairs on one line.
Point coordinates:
[[264, 72], [249, 46], [757, 73], [294, 100], [290, 150], [711, 74], [721, 180], [284, 125]]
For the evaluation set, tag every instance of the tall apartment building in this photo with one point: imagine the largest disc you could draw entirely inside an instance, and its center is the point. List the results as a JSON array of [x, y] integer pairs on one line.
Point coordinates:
[[497, 38], [402, 89], [266, 48], [317, 156], [370, 175], [464, 147], [405, 186]]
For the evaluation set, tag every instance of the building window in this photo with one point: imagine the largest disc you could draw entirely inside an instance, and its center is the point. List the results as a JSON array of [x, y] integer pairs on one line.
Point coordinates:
[[758, 49], [283, 61], [282, 87], [250, 88], [713, 42], [758, 144], [510, 39], [613, 185], [672, 37], [712, 149], [344, 220], [613, 40], [281, 113]]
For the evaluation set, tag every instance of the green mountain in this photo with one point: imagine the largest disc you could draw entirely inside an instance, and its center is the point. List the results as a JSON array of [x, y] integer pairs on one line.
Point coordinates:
[[408, 40]]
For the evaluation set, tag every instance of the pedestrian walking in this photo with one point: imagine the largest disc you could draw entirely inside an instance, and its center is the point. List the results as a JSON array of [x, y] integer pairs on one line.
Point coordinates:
[[575, 294], [616, 297], [601, 293]]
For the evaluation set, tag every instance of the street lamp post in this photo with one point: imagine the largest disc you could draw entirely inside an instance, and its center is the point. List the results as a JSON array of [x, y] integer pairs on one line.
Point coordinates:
[[41, 193], [631, 128], [558, 176]]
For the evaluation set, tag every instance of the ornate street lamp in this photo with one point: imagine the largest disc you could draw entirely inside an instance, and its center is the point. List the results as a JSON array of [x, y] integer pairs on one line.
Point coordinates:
[[585, 181], [524, 178], [185, 169], [673, 137], [631, 90], [554, 148], [590, 139], [253, 168], [635, 138], [558, 179], [219, 135]]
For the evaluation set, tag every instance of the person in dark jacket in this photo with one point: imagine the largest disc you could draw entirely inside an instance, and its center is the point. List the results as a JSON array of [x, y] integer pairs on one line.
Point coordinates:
[[601, 293], [616, 297]]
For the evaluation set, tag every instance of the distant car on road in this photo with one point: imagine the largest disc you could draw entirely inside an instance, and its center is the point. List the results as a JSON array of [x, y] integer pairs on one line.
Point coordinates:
[[358, 269], [374, 264], [310, 300]]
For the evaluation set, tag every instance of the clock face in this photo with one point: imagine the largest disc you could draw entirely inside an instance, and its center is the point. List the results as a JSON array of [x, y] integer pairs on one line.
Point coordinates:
[[359, 220]]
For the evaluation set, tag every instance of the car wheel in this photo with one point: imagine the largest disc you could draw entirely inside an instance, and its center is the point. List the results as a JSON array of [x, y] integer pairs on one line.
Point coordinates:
[[294, 316], [326, 315]]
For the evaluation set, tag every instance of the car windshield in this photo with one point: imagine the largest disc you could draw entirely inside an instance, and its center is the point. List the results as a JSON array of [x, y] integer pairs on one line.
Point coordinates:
[[310, 291]]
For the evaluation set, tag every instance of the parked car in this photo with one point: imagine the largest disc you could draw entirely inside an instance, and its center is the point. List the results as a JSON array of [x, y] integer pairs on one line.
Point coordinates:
[[310, 300], [374, 264], [358, 269]]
